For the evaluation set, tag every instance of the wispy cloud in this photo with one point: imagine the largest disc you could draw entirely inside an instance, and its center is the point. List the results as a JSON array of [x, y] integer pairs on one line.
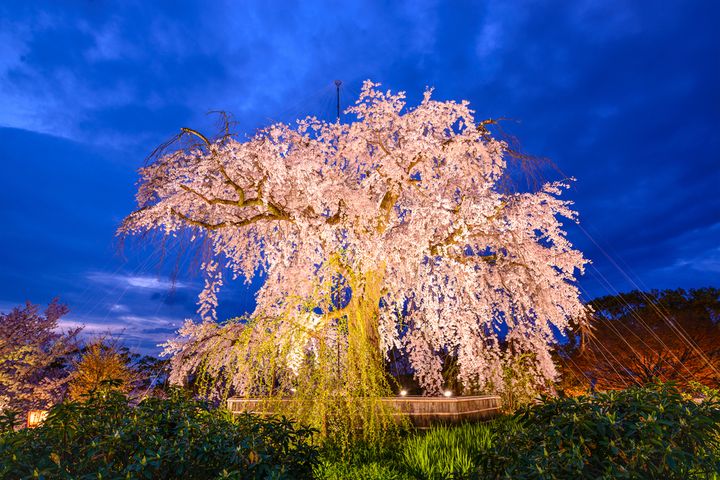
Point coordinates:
[[141, 282], [708, 261], [140, 332]]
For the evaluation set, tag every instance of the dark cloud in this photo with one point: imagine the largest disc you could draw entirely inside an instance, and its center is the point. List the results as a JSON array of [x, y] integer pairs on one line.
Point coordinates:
[[623, 96], [175, 297]]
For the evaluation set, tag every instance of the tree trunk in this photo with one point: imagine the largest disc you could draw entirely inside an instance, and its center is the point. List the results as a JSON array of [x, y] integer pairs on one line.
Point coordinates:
[[364, 359]]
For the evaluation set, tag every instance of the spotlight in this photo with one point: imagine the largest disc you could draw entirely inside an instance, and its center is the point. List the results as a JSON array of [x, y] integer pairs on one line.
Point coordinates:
[[403, 393], [36, 417], [447, 393]]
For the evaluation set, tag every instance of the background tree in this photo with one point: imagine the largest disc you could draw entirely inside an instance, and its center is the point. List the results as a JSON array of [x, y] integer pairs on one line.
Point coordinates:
[[395, 230], [34, 356], [105, 363], [152, 373], [100, 364], [641, 337]]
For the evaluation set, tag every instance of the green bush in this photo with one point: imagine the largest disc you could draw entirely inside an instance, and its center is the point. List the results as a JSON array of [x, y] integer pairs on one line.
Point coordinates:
[[651, 432], [106, 438], [640, 433]]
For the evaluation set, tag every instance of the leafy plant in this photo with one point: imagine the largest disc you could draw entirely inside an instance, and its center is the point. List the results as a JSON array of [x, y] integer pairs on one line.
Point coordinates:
[[520, 383], [441, 453], [653, 432], [453, 452], [363, 460], [105, 437], [361, 471], [9, 420]]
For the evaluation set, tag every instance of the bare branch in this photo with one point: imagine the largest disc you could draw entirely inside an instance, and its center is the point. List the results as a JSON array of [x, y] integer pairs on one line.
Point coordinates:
[[197, 134]]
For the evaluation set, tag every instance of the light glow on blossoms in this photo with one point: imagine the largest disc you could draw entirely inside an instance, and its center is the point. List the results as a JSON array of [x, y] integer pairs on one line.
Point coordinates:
[[402, 208]]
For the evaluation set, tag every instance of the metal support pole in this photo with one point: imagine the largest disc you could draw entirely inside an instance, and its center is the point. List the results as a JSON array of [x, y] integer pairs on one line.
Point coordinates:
[[337, 88]]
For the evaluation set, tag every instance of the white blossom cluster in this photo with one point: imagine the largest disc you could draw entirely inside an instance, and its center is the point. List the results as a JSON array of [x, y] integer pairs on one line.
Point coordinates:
[[411, 195]]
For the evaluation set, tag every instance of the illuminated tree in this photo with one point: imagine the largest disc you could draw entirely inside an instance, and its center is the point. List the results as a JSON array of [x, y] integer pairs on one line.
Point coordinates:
[[102, 364], [642, 337], [392, 231], [34, 357]]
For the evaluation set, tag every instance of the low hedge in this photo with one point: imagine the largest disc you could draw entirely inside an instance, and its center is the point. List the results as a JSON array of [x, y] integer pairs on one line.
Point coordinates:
[[642, 432], [651, 432], [104, 437]]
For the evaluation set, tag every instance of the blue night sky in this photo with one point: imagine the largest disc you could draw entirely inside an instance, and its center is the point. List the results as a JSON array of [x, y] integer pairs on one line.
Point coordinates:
[[624, 96]]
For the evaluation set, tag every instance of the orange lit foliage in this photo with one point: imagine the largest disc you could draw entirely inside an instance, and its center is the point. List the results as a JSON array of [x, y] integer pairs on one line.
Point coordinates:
[[670, 335], [101, 364]]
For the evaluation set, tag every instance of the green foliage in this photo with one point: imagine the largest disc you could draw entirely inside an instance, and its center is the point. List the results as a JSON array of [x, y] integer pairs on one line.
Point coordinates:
[[9, 420], [367, 460], [453, 452], [105, 437], [653, 432], [373, 470], [520, 385], [441, 453]]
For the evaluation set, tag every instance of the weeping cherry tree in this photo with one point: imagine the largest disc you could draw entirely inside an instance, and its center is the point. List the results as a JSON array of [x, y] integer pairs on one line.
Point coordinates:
[[394, 232]]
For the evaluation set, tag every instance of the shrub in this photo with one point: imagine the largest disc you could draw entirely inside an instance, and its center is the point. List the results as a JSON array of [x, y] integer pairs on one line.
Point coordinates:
[[652, 432], [105, 437]]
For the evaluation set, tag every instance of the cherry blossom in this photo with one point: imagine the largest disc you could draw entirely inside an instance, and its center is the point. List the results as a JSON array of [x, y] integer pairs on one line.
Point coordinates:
[[404, 209]]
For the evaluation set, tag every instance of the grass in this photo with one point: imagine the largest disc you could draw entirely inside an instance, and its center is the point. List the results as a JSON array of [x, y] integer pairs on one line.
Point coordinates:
[[439, 453]]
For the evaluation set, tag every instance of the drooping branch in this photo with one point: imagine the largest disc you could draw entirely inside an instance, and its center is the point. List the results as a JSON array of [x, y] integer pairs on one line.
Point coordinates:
[[197, 134]]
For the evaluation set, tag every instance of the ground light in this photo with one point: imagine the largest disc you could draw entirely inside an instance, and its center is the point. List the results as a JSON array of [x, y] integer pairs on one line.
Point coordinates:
[[36, 417]]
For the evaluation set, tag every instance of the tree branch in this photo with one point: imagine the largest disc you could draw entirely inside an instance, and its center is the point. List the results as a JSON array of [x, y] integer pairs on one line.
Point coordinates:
[[212, 201], [221, 167], [197, 134], [217, 226]]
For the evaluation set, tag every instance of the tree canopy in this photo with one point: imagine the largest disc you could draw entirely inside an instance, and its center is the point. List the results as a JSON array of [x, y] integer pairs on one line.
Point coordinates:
[[34, 356], [396, 226], [643, 337]]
